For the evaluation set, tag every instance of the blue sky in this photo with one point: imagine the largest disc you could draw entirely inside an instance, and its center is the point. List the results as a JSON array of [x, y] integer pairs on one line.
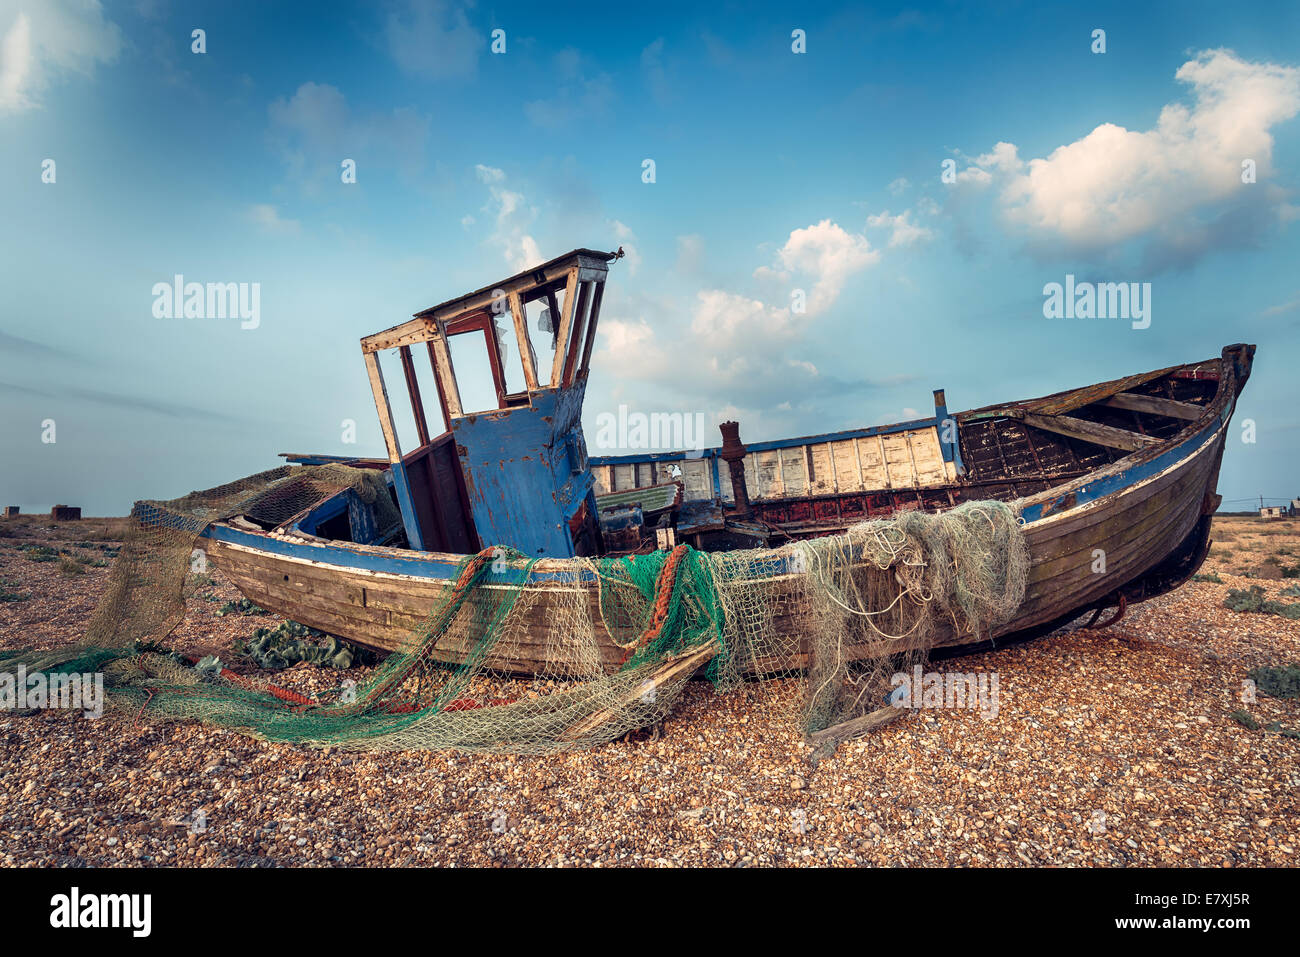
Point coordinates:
[[775, 171]]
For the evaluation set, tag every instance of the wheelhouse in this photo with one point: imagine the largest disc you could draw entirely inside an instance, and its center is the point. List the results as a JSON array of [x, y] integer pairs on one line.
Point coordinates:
[[514, 472]]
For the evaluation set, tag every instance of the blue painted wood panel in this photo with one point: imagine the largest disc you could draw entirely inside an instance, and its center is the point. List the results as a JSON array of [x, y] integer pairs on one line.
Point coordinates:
[[526, 471]]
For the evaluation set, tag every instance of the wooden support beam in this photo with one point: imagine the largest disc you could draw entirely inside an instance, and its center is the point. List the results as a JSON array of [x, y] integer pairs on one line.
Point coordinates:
[[553, 308], [400, 483], [524, 282], [1090, 431], [413, 392], [1156, 405], [442, 392], [1078, 398], [562, 331], [576, 332], [526, 355], [494, 360], [591, 328], [447, 377], [408, 333], [383, 407]]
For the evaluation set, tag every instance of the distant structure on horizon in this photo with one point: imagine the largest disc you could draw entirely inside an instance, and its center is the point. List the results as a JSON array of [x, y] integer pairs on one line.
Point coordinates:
[[1280, 511]]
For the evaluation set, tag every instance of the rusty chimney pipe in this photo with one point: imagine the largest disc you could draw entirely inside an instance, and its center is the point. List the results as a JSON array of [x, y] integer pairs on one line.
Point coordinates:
[[733, 453]]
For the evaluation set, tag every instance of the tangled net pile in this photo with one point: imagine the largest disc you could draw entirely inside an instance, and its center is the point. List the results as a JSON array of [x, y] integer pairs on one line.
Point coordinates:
[[612, 642]]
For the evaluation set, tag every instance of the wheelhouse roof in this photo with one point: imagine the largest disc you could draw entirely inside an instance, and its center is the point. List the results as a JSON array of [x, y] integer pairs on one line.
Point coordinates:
[[536, 273], [553, 270]]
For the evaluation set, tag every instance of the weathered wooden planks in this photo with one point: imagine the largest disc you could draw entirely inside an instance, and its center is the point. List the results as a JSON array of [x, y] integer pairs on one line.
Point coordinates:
[[1090, 431], [1156, 405], [1136, 529]]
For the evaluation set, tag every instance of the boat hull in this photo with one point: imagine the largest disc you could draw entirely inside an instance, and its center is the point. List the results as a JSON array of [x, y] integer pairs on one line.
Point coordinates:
[[1092, 541]]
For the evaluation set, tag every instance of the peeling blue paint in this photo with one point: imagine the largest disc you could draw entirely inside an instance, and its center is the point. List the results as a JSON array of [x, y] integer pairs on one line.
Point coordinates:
[[526, 471], [402, 486]]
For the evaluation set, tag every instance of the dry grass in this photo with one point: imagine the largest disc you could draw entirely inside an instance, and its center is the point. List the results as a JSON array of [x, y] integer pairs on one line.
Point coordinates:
[[68, 567]]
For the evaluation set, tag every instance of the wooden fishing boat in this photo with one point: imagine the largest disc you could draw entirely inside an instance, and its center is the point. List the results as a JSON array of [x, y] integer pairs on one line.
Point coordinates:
[[1115, 482]]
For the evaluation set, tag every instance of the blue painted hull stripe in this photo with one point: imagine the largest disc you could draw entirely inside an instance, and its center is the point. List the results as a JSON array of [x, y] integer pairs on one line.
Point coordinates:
[[392, 561], [1107, 485]]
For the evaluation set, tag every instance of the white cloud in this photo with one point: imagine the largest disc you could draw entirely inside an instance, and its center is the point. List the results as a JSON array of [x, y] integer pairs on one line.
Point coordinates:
[[629, 349], [726, 320], [927, 206], [975, 176], [434, 40], [526, 254], [899, 186], [697, 345], [1003, 158], [16, 67], [512, 219], [40, 41], [1114, 184], [772, 274], [903, 232], [738, 347], [826, 253]]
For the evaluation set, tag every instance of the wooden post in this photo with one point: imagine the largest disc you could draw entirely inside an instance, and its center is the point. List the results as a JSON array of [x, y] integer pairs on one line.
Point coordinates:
[[442, 394], [733, 453], [592, 319], [494, 359], [576, 331], [413, 392], [400, 483], [566, 324], [385, 410], [525, 343], [447, 376]]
